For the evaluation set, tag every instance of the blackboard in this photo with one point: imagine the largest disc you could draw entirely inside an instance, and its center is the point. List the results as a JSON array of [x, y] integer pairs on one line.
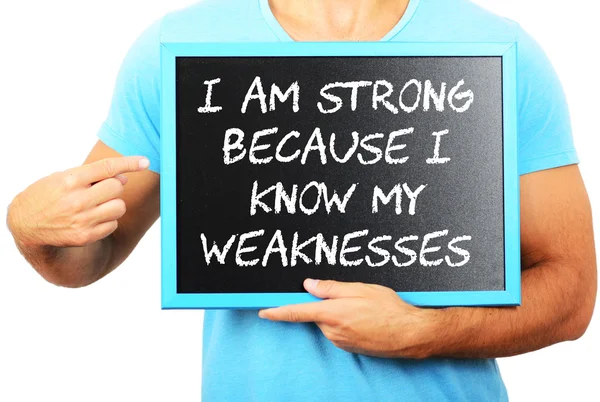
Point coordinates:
[[387, 169]]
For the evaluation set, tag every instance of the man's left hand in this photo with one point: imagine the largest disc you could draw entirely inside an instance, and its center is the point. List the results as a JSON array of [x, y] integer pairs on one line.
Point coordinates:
[[364, 318]]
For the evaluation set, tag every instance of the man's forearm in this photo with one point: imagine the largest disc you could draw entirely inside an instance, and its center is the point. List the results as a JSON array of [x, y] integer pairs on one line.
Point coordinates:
[[556, 306], [69, 266]]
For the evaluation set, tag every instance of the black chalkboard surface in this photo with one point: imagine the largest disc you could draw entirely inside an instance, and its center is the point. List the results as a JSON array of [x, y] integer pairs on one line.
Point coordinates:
[[378, 169]]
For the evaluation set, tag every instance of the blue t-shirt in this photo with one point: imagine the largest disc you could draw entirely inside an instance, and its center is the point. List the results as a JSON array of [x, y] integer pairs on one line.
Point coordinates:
[[246, 358]]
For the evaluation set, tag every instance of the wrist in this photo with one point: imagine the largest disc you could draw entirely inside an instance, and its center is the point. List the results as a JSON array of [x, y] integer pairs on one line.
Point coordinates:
[[34, 251], [25, 238], [451, 330], [13, 223], [420, 337], [433, 332]]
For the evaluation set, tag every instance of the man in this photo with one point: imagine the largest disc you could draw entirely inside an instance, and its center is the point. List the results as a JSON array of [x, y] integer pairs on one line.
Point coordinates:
[[363, 343]]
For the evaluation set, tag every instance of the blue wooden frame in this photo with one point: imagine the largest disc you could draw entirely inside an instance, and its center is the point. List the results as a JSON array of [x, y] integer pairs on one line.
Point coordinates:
[[169, 51]]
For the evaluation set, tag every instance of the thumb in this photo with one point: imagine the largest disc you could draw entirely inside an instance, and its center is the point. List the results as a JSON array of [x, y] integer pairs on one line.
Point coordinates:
[[329, 289]]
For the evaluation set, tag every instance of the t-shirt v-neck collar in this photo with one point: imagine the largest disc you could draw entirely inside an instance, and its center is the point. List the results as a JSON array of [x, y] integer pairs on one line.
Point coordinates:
[[283, 35]]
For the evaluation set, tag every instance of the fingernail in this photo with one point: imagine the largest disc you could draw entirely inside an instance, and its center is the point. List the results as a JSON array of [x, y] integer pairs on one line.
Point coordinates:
[[261, 314], [311, 283], [122, 178], [144, 163]]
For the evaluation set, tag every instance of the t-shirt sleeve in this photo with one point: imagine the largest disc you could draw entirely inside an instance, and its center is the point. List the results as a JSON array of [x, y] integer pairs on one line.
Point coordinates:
[[132, 126], [544, 126]]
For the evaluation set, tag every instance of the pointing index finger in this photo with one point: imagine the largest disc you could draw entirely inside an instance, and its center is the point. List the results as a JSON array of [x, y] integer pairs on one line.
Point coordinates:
[[111, 167]]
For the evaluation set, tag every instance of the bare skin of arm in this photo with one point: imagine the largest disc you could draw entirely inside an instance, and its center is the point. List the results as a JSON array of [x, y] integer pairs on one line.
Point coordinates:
[[559, 285], [558, 260], [74, 232], [559, 280]]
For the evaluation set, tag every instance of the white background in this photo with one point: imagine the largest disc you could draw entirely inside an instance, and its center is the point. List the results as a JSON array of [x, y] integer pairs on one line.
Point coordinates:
[[110, 341]]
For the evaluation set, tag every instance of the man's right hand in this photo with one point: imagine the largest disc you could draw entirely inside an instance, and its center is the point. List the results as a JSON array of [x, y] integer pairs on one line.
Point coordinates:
[[75, 207]]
